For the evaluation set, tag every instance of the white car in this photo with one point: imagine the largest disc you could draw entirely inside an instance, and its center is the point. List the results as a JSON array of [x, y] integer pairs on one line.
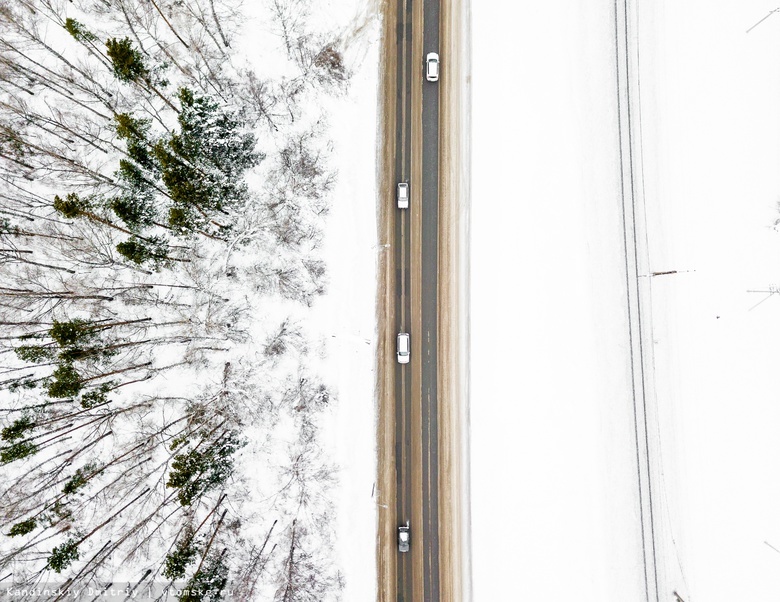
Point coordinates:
[[403, 537], [432, 67], [402, 195], [403, 348]]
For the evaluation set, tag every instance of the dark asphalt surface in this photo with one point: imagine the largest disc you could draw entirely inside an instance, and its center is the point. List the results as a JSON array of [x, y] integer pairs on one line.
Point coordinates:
[[425, 537], [403, 377], [430, 306]]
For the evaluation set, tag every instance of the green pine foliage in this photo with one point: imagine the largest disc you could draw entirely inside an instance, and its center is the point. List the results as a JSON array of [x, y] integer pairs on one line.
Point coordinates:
[[23, 528], [203, 164], [35, 354], [127, 62], [66, 383], [22, 383], [208, 584], [177, 561], [72, 206], [79, 31], [135, 133], [132, 175], [135, 212], [17, 429], [63, 556], [130, 128], [140, 251], [198, 471], [183, 220], [200, 166], [17, 451], [95, 397], [135, 206], [6, 227], [74, 354], [78, 480], [72, 333]]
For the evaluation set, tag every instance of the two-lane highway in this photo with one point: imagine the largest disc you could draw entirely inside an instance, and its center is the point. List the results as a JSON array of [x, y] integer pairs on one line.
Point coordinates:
[[416, 301]]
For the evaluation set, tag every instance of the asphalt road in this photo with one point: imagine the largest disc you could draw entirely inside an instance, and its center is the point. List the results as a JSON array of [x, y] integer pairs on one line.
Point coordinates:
[[403, 377], [429, 309], [424, 536]]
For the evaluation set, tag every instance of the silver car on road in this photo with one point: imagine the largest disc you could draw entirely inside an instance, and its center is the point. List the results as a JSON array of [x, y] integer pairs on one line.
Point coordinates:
[[403, 537], [403, 347], [432, 67], [402, 195]]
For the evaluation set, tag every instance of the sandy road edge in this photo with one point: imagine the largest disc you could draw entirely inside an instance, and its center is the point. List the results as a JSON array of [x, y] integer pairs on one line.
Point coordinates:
[[385, 310], [454, 216]]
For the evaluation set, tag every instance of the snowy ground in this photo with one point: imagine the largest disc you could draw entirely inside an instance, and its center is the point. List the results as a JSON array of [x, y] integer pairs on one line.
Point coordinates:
[[553, 465], [715, 151], [347, 319], [344, 319]]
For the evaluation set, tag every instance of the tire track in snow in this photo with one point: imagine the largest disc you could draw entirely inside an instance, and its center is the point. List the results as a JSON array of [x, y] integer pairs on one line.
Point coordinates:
[[627, 77]]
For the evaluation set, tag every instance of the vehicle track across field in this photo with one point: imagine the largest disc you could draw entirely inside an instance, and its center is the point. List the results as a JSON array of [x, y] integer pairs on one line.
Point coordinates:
[[632, 200]]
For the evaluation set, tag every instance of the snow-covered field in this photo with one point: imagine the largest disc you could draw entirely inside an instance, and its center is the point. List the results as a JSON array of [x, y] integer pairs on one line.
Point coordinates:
[[714, 142], [553, 480]]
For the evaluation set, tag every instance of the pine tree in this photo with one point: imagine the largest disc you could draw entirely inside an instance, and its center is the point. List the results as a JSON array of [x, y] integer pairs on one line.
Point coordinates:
[[177, 561], [128, 66], [79, 31], [184, 220], [195, 472], [35, 354], [73, 207], [78, 480], [67, 382], [127, 62], [135, 212], [135, 133], [203, 164], [73, 333], [63, 556], [17, 429], [152, 249], [208, 583], [23, 528], [95, 397], [17, 451]]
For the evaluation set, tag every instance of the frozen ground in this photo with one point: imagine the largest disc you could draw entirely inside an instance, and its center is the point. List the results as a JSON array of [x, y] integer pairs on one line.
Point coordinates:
[[346, 318], [553, 462], [714, 142]]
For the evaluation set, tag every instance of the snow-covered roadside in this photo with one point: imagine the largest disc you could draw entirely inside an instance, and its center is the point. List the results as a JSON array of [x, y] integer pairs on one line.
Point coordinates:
[[346, 319], [343, 320], [553, 462]]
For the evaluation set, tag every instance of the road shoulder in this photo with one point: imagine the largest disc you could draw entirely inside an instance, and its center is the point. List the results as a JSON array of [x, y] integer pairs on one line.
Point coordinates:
[[453, 294], [385, 312]]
